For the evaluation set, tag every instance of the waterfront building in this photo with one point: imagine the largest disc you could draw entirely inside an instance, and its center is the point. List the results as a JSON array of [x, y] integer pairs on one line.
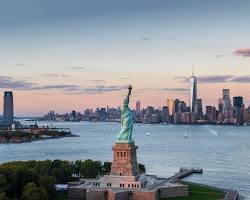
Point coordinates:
[[220, 105], [182, 107], [238, 102], [170, 105], [226, 99], [165, 114], [176, 105], [246, 115], [8, 108], [138, 107], [193, 93], [198, 109]]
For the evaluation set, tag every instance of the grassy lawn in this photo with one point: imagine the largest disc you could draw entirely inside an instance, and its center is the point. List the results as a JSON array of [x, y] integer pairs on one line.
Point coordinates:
[[197, 192]]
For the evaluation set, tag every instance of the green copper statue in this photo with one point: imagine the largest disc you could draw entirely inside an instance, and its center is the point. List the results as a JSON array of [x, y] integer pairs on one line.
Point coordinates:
[[125, 135]]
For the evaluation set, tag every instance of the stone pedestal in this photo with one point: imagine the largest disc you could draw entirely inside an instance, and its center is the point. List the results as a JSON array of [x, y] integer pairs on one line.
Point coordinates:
[[125, 160]]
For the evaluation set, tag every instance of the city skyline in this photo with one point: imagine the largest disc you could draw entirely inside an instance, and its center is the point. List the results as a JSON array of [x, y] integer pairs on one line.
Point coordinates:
[[67, 56]]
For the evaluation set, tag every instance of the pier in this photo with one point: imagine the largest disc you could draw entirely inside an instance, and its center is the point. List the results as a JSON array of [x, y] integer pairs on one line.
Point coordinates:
[[232, 195], [185, 172]]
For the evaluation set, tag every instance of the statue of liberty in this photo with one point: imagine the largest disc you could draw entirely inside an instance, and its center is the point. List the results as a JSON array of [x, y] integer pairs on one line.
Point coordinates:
[[125, 135]]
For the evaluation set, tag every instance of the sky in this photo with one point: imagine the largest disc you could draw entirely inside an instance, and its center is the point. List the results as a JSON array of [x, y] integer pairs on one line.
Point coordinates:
[[63, 55]]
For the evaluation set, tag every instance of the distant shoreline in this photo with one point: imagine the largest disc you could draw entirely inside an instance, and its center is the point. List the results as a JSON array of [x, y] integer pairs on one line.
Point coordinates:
[[166, 124], [31, 135]]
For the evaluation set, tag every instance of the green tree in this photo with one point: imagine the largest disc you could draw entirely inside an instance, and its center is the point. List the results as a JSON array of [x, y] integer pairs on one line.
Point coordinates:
[[106, 167], [48, 182], [32, 192], [3, 183], [142, 168], [77, 166], [2, 196], [91, 169]]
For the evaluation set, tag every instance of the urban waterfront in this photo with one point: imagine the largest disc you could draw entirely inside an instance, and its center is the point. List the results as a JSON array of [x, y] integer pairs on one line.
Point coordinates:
[[222, 151]]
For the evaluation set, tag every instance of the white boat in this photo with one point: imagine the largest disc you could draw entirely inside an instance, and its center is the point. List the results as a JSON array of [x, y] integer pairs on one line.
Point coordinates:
[[148, 134]]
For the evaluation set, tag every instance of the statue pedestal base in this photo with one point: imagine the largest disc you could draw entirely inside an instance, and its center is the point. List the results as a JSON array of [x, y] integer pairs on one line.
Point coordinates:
[[125, 160]]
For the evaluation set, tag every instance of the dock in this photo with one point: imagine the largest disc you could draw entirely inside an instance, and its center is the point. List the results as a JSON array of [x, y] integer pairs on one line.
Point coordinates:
[[185, 172], [232, 195]]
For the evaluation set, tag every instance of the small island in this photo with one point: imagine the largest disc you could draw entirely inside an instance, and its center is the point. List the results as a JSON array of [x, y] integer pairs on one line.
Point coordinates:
[[32, 133]]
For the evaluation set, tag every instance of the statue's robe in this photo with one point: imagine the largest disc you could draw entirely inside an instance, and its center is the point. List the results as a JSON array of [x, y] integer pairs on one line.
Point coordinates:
[[125, 134]]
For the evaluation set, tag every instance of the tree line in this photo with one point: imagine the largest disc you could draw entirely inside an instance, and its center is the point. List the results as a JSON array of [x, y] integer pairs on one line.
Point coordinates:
[[35, 180]]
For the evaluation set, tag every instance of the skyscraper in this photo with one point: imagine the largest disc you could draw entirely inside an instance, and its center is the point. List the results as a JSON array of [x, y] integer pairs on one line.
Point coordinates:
[[138, 107], [198, 109], [220, 105], [193, 93], [238, 102], [8, 109], [170, 104], [226, 99]]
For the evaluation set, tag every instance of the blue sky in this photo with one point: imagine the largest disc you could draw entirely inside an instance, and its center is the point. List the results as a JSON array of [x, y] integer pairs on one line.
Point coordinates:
[[105, 45]]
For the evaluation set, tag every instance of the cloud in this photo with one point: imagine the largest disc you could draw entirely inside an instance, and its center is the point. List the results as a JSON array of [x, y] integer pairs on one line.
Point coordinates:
[[146, 38], [10, 83], [7, 82], [244, 52], [177, 89], [219, 56], [174, 89], [76, 68], [98, 81], [19, 64], [126, 78], [241, 79], [56, 75], [216, 79], [102, 89]]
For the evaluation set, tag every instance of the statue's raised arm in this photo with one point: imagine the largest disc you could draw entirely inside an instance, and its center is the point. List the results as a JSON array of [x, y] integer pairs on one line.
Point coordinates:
[[125, 135]]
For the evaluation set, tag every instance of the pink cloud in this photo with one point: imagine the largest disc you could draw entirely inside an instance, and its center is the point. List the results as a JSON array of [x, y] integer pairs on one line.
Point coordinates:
[[245, 52]]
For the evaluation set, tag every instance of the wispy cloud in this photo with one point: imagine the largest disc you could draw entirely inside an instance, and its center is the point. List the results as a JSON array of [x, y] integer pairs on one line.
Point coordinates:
[[178, 89], [217, 79], [126, 78], [55, 75], [77, 68], [244, 52], [166, 89], [19, 64], [101, 89], [241, 79], [7, 82], [219, 56], [11, 83], [146, 38], [98, 81]]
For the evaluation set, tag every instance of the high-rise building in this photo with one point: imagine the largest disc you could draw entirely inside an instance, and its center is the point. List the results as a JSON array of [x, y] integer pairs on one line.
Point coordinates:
[[165, 114], [198, 109], [238, 102], [8, 108], [138, 107], [176, 105], [170, 105], [182, 107], [193, 93], [220, 105], [226, 99]]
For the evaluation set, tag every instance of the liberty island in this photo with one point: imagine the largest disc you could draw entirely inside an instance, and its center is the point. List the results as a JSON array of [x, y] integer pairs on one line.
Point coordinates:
[[126, 181]]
